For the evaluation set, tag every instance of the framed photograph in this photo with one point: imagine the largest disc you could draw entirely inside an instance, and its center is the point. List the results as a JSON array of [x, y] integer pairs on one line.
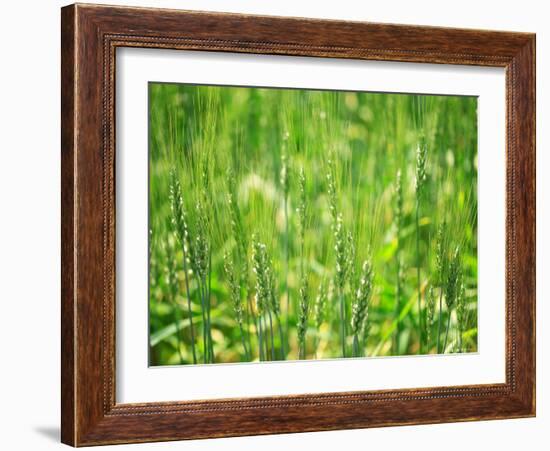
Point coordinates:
[[278, 225]]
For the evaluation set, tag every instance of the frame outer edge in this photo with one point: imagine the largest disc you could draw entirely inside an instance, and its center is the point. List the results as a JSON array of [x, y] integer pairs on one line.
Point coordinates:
[[68, 229], [525, 67], [534, 225]]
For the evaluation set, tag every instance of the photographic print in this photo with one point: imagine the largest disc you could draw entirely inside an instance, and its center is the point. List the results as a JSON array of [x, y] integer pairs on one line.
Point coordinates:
[[296, 224]]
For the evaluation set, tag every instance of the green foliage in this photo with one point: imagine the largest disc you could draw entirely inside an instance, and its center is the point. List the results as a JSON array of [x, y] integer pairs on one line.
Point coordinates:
[[290, 224]]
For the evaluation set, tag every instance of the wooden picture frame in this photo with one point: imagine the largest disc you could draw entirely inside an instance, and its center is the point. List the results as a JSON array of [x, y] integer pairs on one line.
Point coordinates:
[[90, 35]]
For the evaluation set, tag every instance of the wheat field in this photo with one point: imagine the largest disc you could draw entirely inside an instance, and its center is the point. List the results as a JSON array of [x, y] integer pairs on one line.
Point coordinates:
[[297, 224]]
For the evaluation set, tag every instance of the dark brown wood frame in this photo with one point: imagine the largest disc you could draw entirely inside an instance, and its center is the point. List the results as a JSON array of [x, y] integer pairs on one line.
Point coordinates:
[[90, 35]]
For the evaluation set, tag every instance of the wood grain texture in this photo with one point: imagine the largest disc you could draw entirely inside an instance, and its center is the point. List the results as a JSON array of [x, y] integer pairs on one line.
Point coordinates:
[[68, 71], [90, 35]]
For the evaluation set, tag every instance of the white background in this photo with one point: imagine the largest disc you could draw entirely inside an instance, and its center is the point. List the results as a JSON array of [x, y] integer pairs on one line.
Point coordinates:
[[138, 383], [29, 226]]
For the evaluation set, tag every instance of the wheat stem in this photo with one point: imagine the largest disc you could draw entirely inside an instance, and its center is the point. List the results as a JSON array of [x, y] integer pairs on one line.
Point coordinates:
[[260, 339], [304, 298], [179, 221], [430, 316], [204, 322], [451, 290], [419, 289], [319, 312], [361, 303], [281, 336], [441, 265], [447, 332], [235, 294], [191, 325], [439, 320], [420, 180], [173, 292], [271, 334], [398, 224], [209, 291]]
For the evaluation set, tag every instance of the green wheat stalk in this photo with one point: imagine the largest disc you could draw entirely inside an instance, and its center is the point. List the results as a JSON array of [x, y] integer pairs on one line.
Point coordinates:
[[398, 221], [461, 312], [271, 303], [319, 311], [430, 306], [420, 181], [340, 251], [303, 316], [361, 303], [172, 282], [179, 222], [200, 262], [270, 308], [239, 236], [262, 268], [441, 265], [451, 289], [235, 296], [304, 297], [275, 308], [284, 180], [206, 196], [351, 250]]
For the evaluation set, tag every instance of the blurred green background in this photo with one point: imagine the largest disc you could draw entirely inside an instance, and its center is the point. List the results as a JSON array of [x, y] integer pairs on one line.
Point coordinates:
[[239, 167]]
